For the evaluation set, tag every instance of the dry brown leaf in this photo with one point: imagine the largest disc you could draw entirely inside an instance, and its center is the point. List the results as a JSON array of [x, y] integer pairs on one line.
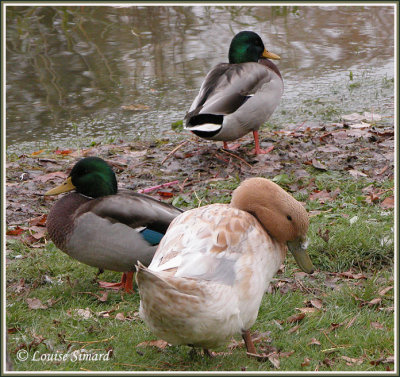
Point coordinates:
[[306, 362], [295, 318], [84, 313], [47, 177], [293, 329], [388, 309], [39, 221], [317, 303], [334, 326], [51, 301], [324, 235], [351, 322], [328, 362], [352, 361], [103, 297], [274, 359], [161, 344], [350, 275], [120, 316], [356, 173], [318, 165], [375, 301], [315, 342], [322, 196], [383, 360], [35, 303], [388, 203], [377, 326], [383, 291]]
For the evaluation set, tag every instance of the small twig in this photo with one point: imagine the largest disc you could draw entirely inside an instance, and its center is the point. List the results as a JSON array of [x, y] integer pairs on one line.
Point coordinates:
[[89, 342], [199, 200], [382, 192], [183, 184], [239, 158], [174, 150], [330, 341], [298, 127], [143, 191], [336, 348]]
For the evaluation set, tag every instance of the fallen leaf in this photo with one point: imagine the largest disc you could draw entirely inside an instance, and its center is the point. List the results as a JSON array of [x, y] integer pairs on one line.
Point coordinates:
[[39, 221], [377, 326], [381, 171], [350, 275], [334, 326], [63, 152], [351, 322], [274, 360], [317, 303], [324, 235], [353, 117], [293, 329], [360, 125], [37, 152], [35, 303], [306, 362], [375, 301], [356, 173], [103, 297], [328, 362], [388, 202], [51, 301], [352, 361], [383, 360], [315, 342], [161, 344], [383, 291], [47, 177], [295, 318], [371, 117], [15, 232], [120, 316], [322, 196], [388, 309], [84, 313], [13, 330], [318, 165], [165, 194]]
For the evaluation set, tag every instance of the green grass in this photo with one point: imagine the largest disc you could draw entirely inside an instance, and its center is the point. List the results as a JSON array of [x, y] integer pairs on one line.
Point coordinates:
[[363, 245]]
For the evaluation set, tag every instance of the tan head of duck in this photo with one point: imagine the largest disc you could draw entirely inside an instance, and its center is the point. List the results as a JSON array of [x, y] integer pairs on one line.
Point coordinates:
[[281, 215]]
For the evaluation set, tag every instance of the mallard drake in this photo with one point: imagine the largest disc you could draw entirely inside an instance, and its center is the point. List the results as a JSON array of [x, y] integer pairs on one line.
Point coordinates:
[[237, 97], [211, 269], [103, 227]]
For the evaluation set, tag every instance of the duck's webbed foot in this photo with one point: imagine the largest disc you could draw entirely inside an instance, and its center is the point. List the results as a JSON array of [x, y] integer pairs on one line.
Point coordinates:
[[126, 283]]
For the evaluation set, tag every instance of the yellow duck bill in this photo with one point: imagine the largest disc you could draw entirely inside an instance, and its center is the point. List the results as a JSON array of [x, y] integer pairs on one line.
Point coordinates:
[[270, 55], [66, 186]]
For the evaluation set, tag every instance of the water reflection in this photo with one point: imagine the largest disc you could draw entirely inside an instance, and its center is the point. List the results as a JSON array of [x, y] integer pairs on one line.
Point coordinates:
[[71, 70]]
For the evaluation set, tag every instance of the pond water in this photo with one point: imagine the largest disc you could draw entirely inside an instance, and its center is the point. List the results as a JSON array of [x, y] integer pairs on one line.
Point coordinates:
[[97, 73]]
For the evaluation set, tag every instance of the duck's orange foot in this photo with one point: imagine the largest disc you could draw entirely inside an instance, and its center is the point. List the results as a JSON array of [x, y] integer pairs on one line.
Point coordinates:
[[257, 149], [262, 151], [126, 283], [232, 147]]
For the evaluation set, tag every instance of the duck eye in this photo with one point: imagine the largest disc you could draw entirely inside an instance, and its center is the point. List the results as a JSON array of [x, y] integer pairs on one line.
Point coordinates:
[[289, 217]]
